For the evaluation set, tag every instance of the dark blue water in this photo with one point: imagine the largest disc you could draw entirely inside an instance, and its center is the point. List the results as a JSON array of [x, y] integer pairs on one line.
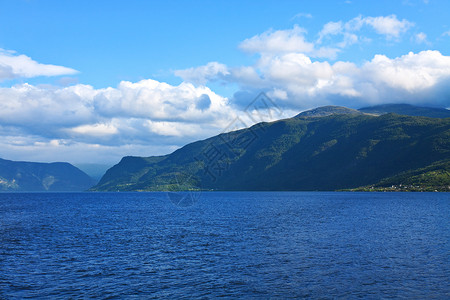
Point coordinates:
[[239, 245]]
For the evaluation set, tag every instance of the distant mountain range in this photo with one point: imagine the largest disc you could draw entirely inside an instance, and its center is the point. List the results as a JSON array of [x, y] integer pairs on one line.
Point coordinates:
[[95, 171], [386, 147], [407, 109], [31, 176]]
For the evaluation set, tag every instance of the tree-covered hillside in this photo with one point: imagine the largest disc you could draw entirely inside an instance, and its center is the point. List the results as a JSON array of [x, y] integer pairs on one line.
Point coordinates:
[[307, 152]]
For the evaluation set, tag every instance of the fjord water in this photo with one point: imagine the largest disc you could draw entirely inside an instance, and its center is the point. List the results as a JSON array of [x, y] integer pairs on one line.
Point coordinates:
[[231, 244]]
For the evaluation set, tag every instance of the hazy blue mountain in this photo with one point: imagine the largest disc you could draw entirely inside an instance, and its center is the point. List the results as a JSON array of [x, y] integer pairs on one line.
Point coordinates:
[[318, 150], [31, 176], [95, 171], [407, 109]]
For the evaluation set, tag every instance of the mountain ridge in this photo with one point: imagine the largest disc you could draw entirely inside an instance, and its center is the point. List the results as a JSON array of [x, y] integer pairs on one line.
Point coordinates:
[[307, 152], [324, 111], [27, 176], [407, 109]]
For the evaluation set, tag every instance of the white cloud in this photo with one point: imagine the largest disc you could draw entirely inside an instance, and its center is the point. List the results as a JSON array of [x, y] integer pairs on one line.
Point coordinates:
[[291, 40], [34, 106], [278, 94], [286, 69], [286, 41], [302, 15], [298, 82], [331, 28], [36, 148], [174, 129], [21, 66], [447, 33], [349, 39], [97, 130], [158, 101], [246, 75], [277, 42], [297, 68], [421, 38], [201, 75], [354, 24], [411, 73], [141, 113], [389, 26]]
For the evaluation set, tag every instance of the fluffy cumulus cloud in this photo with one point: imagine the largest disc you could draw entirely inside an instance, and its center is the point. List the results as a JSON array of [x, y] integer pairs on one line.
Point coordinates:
[[288, 68], [147, 112], [150, 99], [21, 66], [420, 77], [285, 41], [201, 75], [389, 26], [292, 40], [298, 82]]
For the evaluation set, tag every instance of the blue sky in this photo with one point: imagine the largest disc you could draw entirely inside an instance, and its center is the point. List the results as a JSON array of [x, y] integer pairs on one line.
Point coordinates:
[[115, 78]]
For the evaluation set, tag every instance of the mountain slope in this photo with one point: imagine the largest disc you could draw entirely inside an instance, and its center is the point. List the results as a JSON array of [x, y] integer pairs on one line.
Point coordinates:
[[435, 177], [327, 111], [407, 109], [31, 176], [336, 151]]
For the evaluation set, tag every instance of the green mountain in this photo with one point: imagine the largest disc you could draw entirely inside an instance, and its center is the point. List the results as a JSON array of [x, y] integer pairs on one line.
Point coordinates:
[[328, 110], [31, 176], [407, 109], [325, 149], [435, 177]]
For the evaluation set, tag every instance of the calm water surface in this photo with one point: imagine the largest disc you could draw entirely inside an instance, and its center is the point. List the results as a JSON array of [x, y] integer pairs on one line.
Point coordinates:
[[230, 244]]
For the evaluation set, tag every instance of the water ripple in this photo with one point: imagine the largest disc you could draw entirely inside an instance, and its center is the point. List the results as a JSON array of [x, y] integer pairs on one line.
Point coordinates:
[[234, 245]]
